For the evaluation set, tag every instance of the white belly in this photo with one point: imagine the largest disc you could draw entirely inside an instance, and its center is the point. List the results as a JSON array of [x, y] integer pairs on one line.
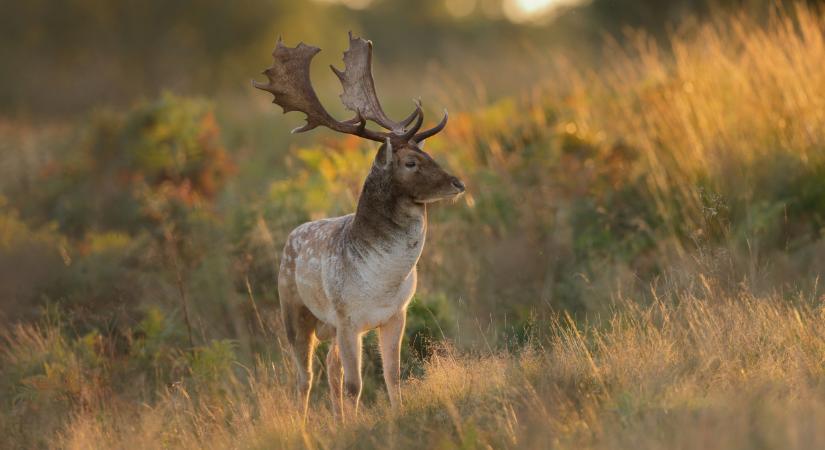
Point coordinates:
[[366, 303], [370, 306]]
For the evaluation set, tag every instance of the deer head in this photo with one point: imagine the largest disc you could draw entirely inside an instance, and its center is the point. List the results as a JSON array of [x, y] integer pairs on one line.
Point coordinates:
[[400, 163]]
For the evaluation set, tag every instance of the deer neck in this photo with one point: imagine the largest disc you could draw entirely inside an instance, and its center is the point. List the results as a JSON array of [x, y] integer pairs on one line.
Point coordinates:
[[385, 219]]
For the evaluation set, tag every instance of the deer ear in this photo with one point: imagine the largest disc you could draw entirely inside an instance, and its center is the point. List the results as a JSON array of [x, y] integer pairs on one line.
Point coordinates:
[[383, 158]]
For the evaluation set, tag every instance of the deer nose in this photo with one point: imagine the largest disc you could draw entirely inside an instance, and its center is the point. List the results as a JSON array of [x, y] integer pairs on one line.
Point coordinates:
[[458, 184]]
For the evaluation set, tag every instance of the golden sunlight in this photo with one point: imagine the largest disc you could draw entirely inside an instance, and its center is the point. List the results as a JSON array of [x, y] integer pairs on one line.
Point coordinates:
[[527, 10]]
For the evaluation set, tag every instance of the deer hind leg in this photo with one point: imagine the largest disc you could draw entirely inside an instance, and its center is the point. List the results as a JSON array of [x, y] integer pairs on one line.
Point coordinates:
[[300, 332], [389, 338]]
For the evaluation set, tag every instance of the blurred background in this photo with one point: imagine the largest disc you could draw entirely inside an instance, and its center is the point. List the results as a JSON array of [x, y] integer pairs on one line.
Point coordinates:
[[67, 57], [612, 149]]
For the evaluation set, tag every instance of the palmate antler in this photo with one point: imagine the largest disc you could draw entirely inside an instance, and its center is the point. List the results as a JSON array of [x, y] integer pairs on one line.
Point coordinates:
[[290, 84]]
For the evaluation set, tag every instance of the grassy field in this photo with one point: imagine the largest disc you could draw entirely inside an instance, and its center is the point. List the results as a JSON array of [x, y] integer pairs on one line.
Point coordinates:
[[708, 372], [635, 265]]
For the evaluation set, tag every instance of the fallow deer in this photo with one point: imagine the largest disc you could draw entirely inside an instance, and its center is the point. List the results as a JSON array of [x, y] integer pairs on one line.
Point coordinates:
[[344, 276]]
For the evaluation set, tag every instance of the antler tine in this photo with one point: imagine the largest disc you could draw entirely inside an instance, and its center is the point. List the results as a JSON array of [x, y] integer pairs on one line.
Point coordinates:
[[432, 131], [408, 120], [413, 129]]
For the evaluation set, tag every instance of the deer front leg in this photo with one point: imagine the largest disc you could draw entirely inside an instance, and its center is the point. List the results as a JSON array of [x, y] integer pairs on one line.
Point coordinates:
[[335, 376], [348, 341], [389, 337]]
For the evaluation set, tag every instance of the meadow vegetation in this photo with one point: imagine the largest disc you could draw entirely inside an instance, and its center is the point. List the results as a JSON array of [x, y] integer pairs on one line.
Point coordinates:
[[635, 265]]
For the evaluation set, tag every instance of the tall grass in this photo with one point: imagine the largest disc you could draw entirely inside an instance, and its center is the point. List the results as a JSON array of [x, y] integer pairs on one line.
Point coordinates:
[[708, 144], [698, 372], [720, 106]]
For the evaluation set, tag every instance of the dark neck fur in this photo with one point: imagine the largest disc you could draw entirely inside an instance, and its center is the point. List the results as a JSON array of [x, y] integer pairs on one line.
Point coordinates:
[[383, 213]]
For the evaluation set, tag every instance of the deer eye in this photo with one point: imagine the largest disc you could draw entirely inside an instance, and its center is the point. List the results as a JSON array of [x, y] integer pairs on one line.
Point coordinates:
[[410, 164]]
